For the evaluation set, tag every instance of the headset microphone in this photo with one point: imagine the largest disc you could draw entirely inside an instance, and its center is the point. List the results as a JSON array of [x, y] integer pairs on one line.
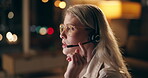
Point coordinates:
[[69, 46], [94, 40]]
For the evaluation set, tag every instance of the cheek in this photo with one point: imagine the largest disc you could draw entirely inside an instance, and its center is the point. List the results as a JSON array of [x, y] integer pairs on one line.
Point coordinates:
[[73, 40], [80, 37]]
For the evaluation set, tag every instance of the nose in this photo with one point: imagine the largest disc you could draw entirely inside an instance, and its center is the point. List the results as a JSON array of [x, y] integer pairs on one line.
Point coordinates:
[[62, 35]]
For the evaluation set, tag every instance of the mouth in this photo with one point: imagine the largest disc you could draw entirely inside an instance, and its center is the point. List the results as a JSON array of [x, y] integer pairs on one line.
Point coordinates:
[[64, 45]]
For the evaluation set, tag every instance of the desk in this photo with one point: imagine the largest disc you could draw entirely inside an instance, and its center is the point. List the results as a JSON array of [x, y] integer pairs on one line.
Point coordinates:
[[17, 63]]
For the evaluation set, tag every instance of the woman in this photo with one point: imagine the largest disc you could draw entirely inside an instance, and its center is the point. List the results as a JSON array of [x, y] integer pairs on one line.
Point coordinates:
[[90, 46]]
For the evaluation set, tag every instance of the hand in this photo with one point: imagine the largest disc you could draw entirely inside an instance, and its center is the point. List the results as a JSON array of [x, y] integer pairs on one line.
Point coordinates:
[[76, 63]]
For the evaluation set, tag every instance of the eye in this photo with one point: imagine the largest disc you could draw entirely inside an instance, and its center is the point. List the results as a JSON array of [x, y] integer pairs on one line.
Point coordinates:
[[72, 28]]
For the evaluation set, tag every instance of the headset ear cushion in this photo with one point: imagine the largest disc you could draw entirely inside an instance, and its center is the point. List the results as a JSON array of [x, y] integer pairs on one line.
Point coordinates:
[[95, 38]]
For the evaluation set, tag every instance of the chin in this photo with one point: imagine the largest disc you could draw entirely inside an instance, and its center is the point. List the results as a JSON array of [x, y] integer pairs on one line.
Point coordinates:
[[67, 51]]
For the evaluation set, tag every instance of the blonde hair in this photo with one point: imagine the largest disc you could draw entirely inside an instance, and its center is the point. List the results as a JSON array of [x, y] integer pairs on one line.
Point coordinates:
[[107, 49]]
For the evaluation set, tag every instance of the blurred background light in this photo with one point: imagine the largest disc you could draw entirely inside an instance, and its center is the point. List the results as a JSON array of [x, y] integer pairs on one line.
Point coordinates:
[[10, 15], [15, 38], [131, 10], [116, 9], [62, 4], [50, 30], [112, 9], [56, 3], [44, 1], [37, 29], [33, 28], [9, 35], [43, 31], [1, 37]]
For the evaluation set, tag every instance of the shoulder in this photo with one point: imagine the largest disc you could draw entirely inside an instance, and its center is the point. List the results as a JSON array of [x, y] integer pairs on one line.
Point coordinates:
[[109, 73]]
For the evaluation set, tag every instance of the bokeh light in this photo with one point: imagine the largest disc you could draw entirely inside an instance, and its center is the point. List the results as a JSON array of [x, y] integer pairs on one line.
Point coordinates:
[[50, 30], [62, 4], [43, 31], [10, 15], [56, 3], [38, 29], [45, 1], [15, 38], [1, 37], [33, 28], [9, 35]]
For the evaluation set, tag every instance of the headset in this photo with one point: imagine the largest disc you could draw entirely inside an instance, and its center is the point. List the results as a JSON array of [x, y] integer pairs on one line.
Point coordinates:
[[94, 36]]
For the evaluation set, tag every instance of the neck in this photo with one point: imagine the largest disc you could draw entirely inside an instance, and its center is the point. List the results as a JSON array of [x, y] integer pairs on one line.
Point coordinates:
[[90, 47]]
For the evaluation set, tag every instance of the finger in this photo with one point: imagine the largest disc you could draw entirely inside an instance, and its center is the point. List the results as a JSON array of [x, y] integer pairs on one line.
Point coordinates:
[[84, 52], [75, 60], [78, 58], [68, 58], [75, 56]]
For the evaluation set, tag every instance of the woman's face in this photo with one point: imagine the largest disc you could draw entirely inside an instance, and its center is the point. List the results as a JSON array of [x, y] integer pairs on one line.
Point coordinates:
[[73, 33]]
